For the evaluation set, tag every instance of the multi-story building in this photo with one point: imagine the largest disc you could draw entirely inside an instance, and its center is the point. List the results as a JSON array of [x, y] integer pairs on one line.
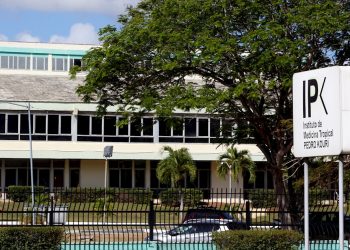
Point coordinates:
[[67, 139]]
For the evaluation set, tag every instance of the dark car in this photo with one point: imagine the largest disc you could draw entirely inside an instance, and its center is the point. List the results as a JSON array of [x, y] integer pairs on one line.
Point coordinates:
[[325, 226], [213, 213]]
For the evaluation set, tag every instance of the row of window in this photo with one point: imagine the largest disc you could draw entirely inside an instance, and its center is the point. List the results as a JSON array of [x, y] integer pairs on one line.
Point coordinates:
[[92, 128], [37, 62]]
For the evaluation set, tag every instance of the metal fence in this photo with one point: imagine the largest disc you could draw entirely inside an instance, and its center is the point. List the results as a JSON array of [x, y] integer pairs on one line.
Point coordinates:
[[140, 218]]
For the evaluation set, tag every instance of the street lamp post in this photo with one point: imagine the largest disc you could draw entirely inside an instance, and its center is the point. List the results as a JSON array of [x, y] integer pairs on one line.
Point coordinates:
[[107, 153]]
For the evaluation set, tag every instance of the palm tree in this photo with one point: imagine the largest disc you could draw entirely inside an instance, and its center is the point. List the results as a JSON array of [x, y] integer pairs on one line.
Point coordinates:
[[233, 162], [172, 169]]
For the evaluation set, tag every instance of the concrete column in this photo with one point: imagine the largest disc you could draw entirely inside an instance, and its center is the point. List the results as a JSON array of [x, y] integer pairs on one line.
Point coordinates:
[[156, 132], [3, 175]]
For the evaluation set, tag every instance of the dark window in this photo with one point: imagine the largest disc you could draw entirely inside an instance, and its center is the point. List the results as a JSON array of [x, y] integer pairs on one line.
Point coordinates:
[[227, 127], [10, 177], [260, 179], [110, 125], [178, 127], [124, 128], [114, 178], [12, 123], [214, 127], [53, 124], [23, 179], [40, 124], [83, 125], [77, 62], [147, 126], [96, 125], [24, 124], [164, 128], [44, 177], [58, 176], [190, 127], [74, 177], [2, 123], [66, 125], [135, 127], [203, 127]]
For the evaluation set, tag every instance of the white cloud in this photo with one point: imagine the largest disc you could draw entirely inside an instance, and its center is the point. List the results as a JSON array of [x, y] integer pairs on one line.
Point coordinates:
[[113, 7], [80, 33], [3, 37], [26, 37]]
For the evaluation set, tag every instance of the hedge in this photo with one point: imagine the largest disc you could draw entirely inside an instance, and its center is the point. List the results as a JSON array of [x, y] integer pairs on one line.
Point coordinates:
[[23, 193], [31, 238], [172, 196], [138, 196], [257, 240]]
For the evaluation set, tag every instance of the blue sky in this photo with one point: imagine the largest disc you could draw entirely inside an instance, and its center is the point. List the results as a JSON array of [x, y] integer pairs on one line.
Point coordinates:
[[58, 21]]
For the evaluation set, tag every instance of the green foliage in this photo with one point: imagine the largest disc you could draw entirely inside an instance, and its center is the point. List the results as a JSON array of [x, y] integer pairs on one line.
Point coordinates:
[[23, 193], [31, 238], [237, 161], [133, 195], [262, 198], [172, 197], [173, 168], [257, 239]]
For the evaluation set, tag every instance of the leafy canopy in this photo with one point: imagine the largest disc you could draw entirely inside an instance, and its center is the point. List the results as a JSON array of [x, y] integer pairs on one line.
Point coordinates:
[[245, 51]]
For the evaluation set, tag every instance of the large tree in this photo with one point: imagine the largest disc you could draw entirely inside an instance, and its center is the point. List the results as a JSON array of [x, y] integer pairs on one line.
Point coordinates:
[[246, 52]]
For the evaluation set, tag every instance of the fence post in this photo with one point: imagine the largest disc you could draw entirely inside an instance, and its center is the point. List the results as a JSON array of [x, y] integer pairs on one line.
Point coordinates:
[[248, 215], [51, 212], [151, 219]]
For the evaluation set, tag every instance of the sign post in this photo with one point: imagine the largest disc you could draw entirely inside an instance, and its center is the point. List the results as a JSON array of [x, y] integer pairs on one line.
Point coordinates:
[[321, 114]]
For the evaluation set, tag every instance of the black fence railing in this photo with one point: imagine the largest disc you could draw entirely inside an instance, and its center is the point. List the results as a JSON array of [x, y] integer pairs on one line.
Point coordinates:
[[142, 216]]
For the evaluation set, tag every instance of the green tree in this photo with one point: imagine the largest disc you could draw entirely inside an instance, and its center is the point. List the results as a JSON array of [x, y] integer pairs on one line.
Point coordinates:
[[236, 161], [245, 51], [173, 168]]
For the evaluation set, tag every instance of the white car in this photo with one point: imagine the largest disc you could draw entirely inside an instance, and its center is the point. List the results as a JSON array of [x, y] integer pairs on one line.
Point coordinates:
[[193, 231]]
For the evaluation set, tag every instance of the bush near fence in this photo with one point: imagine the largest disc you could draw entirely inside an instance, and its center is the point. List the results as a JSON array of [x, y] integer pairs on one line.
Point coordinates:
[[265, 239], [31, 238], [22, 193], [172, 196], [83, 195]]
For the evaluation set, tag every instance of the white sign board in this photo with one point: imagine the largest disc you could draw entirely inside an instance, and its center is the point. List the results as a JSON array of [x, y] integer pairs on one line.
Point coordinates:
[[317, 112]]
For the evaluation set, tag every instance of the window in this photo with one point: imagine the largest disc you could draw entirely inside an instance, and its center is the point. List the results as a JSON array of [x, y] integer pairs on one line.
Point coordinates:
[[40, 124], [12, 124], [123, 129], [40, 63], [4, 62], [83, 125], [214, 127], [109, 125], [120, 174], [96, 125], [2, 123], [140, 174], [59, 64], [203, 127], [66, 124], [190, 127]]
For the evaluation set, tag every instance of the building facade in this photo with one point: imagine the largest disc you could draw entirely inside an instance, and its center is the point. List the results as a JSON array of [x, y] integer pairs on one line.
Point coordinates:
[[43, 119]]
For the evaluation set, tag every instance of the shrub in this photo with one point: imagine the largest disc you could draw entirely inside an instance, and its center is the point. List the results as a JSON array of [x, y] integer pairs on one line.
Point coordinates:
[[264, 239], [139, 196], [23, 193], [262, 198], [31, 238], [172, 197]]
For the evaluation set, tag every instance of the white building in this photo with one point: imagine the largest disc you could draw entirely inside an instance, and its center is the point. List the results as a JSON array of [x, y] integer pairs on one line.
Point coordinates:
[[68, 139]]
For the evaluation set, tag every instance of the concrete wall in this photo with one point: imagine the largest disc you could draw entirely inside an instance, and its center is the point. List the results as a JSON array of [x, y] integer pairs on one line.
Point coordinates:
[[92, 173]]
